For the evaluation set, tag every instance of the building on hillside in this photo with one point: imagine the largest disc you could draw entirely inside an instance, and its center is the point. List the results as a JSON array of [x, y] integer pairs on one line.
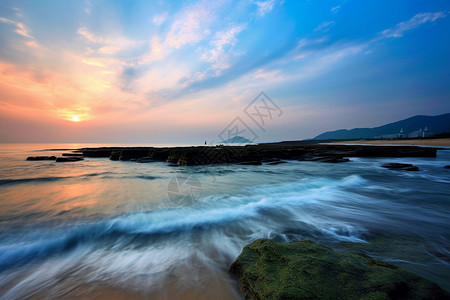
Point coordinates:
[[392, 136], [421, 133]]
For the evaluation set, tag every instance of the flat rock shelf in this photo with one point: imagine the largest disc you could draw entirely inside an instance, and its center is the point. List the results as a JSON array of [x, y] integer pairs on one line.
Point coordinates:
[[254, 154]]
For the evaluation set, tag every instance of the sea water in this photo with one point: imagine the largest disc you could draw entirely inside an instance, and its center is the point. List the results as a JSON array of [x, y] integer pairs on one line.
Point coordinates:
[[99, 228]]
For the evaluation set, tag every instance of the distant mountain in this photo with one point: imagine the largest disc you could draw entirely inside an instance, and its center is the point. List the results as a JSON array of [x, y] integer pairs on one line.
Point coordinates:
[[435, 125], [237, 140]]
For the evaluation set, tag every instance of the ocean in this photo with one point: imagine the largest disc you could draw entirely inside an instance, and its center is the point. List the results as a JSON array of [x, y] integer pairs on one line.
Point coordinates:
[[99, 228]]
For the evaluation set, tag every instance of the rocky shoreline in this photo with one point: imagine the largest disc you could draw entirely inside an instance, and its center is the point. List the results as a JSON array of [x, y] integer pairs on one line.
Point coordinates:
[[250, 154]]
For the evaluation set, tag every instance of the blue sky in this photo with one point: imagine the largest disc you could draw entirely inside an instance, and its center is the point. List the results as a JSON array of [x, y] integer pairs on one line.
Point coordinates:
[[181, 71]]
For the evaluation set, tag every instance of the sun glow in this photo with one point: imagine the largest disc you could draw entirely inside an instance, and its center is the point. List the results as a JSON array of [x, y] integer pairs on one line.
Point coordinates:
[[75, 118]]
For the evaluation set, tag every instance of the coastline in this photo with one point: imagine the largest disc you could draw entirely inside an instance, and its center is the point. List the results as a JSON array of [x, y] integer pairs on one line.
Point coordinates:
[[413, 142]]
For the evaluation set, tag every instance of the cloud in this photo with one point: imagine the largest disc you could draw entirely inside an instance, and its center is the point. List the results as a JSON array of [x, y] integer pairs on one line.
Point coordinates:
[[84, 32], [335, 9], [412, 23], [159, 19], [158, 51], [219, 55], [265, 7], [110, 46], [18, 13], [32, 44], [325, 26], [191, 25], [20, 27], [88, 7], [108, 50]]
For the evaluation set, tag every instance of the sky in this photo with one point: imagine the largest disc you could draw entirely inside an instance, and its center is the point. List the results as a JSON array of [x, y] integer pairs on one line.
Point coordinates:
[[192, 71]]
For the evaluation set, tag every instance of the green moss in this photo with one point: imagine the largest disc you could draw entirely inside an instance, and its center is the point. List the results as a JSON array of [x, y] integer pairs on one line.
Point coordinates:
[[304, 270]]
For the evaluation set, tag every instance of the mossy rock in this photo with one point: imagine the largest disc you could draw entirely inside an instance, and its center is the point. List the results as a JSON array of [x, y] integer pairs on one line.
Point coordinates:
[[304, 270]]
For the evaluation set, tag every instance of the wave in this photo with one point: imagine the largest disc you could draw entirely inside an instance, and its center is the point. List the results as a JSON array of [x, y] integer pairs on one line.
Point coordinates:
[[250, 210], [105, 175], [30, 180], [143, 248]]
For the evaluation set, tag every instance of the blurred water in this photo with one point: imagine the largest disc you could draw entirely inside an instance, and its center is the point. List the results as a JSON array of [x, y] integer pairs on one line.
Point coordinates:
[[97, 226]]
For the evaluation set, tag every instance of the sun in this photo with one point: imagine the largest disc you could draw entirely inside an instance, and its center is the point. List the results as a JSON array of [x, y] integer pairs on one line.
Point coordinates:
[[75, 118]]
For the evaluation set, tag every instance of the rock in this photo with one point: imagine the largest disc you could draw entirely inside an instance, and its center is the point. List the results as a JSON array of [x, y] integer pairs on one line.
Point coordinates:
[[304, 270], [72, 154], [97, 152], [203, 156], [145, 160], [333, 160], [340, 160], [268, 160], [69, 159], [129, 154], [399, 166], [41, 158], [447, 167], [206, 155], [251, 163], [115, 154], [277, 162], [159, 154]]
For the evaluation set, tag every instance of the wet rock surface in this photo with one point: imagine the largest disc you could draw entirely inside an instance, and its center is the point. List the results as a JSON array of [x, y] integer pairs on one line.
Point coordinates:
[[69, 158], [304, 270], [41, 158], [255, 154], [399, 166]]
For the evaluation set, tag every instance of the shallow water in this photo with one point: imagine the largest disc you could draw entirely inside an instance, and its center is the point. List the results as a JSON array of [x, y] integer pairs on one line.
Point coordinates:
[[98, 226]]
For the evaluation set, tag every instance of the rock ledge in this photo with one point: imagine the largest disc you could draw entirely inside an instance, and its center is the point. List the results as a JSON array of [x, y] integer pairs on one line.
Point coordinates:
[[304, 270]]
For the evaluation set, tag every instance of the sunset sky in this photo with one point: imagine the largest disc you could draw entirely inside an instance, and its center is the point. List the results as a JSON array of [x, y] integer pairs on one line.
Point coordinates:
[[181, 71]]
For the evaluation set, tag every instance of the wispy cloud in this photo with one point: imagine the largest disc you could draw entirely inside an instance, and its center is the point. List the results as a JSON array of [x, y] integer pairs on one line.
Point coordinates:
[[335, 9], [325, 26], [84, 32], [159, 19], [265, 6], [20, 27], [108, 50], [412, 23], [88, 7], [219, 56], [109, 46], [190, 26], [18, 13]]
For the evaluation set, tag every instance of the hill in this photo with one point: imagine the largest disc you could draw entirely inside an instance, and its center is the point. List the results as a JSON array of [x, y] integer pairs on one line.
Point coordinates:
[[237, 140], [410, 126]]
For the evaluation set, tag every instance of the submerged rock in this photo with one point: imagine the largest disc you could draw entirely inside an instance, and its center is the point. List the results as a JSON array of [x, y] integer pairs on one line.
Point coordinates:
[[276, 162], [69, 158], [304, 270], [399, 166], [251, 163], [447, 167], [145, 160], [333, 160], [72, 154], [41, 158]]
